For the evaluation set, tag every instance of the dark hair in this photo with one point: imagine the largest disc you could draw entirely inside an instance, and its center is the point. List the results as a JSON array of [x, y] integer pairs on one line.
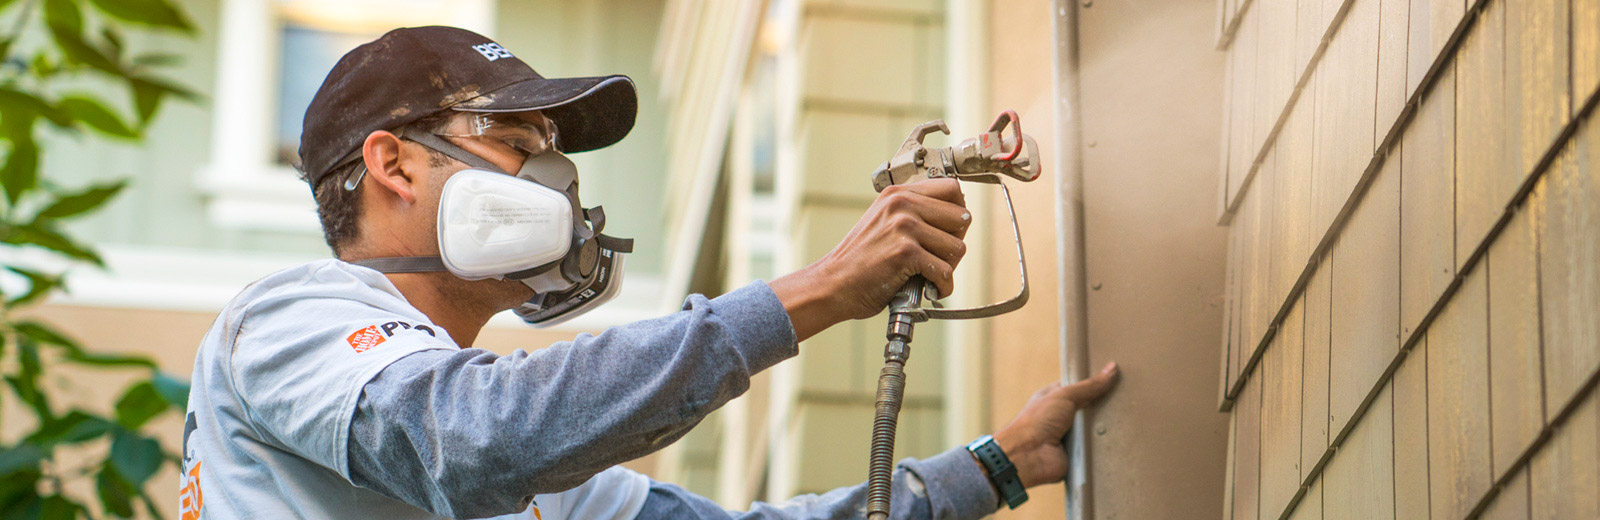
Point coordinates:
[[339, 209]]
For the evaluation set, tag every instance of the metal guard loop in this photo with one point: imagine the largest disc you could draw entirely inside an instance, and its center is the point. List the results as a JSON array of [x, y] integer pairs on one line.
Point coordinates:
[[995, 309], [1016, 128]]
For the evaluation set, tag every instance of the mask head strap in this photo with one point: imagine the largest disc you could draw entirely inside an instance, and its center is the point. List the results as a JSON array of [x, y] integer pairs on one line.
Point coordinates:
[[404, 264], [448, 148]]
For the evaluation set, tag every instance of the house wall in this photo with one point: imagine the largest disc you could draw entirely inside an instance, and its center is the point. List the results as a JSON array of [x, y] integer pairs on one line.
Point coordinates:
[[1149, 81], [1413, 305]]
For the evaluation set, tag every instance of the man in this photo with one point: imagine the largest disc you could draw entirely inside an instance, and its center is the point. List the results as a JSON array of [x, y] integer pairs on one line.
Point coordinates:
[[349, 388]]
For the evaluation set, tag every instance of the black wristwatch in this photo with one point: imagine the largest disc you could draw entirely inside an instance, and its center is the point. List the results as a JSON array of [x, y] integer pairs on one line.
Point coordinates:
[[1002, 473]]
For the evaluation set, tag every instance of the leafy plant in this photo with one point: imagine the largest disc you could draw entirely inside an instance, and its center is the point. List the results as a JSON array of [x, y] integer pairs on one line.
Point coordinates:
[[51, 47]]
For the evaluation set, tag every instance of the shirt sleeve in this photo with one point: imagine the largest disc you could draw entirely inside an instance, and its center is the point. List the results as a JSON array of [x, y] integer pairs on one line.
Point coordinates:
[[946, 486], [298, 359], [470, 434]]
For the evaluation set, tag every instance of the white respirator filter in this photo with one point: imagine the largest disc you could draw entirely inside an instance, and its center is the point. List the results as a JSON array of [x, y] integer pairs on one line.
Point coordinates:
[[491, 224]]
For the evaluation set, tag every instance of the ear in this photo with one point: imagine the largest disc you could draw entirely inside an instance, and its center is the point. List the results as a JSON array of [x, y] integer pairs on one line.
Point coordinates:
[[381, 152]]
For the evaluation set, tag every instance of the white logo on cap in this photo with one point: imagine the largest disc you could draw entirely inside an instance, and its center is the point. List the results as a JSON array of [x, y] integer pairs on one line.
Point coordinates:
[[492, 51]]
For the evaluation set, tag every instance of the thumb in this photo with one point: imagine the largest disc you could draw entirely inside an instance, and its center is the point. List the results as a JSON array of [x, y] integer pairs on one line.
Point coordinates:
[[1087, 391]]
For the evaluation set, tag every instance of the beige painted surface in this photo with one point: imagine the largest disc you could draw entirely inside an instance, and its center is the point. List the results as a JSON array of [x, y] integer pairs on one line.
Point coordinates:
[[1151, 89], [1151, 86]]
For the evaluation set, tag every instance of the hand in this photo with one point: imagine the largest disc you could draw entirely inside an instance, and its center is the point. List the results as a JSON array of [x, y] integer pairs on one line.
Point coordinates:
[[911, 229], [1033, 439]]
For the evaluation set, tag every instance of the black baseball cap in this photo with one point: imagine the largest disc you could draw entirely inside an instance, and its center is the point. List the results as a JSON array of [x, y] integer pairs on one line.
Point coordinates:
[[415, 72]]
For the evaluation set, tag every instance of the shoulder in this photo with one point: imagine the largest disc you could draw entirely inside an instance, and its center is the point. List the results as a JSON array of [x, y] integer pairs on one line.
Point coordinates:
[[327, 307]]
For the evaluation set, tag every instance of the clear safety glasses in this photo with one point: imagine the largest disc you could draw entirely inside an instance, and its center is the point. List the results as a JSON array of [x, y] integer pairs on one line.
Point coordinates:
[[531, 136]]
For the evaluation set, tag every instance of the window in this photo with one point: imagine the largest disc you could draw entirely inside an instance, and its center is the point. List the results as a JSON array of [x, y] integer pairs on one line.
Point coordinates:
[[273, 56]]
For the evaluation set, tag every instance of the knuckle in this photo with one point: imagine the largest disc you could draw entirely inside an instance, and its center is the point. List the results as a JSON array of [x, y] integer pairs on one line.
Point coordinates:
[[899, 200], [905, 249], [904, 222]]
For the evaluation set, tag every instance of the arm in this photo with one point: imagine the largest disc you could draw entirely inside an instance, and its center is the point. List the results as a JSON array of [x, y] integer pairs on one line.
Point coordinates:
[[950, 485], [426, 432], [468, 433]]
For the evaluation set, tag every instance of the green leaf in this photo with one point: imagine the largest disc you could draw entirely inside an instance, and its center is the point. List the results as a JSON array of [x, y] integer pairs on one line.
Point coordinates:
[[109, 360], [113, 40], [136, 458], [115, 492], [74, 204], [57, 507], [43, 66], [44, 334], [18, 491], [39, 284], [158, 59], [24, 456], [72, 428], [19, 100], [21, 170], [63, 15], [97, 116], [25, 507], [81, 52], [172, 390], [42, 235], [28, 359], [26, 381], [139, 404], [148, 93], [157, 13]]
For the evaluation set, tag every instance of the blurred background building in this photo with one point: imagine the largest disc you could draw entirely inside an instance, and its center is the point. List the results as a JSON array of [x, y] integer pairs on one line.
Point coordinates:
[[760, 121]]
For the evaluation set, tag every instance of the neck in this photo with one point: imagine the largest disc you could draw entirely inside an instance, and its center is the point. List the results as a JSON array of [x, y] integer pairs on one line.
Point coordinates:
[[463, 318]]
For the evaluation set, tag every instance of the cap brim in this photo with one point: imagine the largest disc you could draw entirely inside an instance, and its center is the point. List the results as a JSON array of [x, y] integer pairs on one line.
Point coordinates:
[[589, 113]]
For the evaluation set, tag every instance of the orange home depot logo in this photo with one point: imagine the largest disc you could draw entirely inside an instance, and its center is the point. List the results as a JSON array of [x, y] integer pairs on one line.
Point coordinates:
[[366, 338], [189, 498], [375, 335]]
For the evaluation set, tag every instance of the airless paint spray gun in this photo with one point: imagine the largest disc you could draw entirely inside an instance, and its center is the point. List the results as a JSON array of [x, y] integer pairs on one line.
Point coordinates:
[[980, 159]]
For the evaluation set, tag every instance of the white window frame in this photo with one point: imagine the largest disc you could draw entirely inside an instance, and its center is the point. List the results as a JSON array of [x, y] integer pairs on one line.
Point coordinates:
[[245, 186]]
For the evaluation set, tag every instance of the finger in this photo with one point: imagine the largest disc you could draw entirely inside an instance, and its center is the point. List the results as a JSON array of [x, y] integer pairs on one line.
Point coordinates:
[[1087, 391], [945, 189], [936, 271], [948, 216], [943, 245]]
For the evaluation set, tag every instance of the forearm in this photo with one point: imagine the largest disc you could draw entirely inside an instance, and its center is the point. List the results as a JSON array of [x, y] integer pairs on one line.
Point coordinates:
[[808, 298], [469, 433], [946, 486]]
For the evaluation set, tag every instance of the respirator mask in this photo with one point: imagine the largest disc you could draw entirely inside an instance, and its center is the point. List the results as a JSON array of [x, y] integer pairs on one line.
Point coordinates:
[[529, 227]]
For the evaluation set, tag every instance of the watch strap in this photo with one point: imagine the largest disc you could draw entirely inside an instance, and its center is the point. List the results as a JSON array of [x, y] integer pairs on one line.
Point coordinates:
[[1002, 473]]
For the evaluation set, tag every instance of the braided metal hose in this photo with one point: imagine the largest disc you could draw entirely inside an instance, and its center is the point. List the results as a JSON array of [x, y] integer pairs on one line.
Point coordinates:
[[880, 469], [904, 313]]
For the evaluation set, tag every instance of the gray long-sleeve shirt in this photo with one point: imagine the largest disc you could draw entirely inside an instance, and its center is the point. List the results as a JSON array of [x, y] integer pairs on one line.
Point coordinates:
[[468, 433]]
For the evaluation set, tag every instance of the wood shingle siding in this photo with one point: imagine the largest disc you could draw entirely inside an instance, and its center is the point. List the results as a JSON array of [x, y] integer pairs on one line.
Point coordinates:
[[1414, 266]]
